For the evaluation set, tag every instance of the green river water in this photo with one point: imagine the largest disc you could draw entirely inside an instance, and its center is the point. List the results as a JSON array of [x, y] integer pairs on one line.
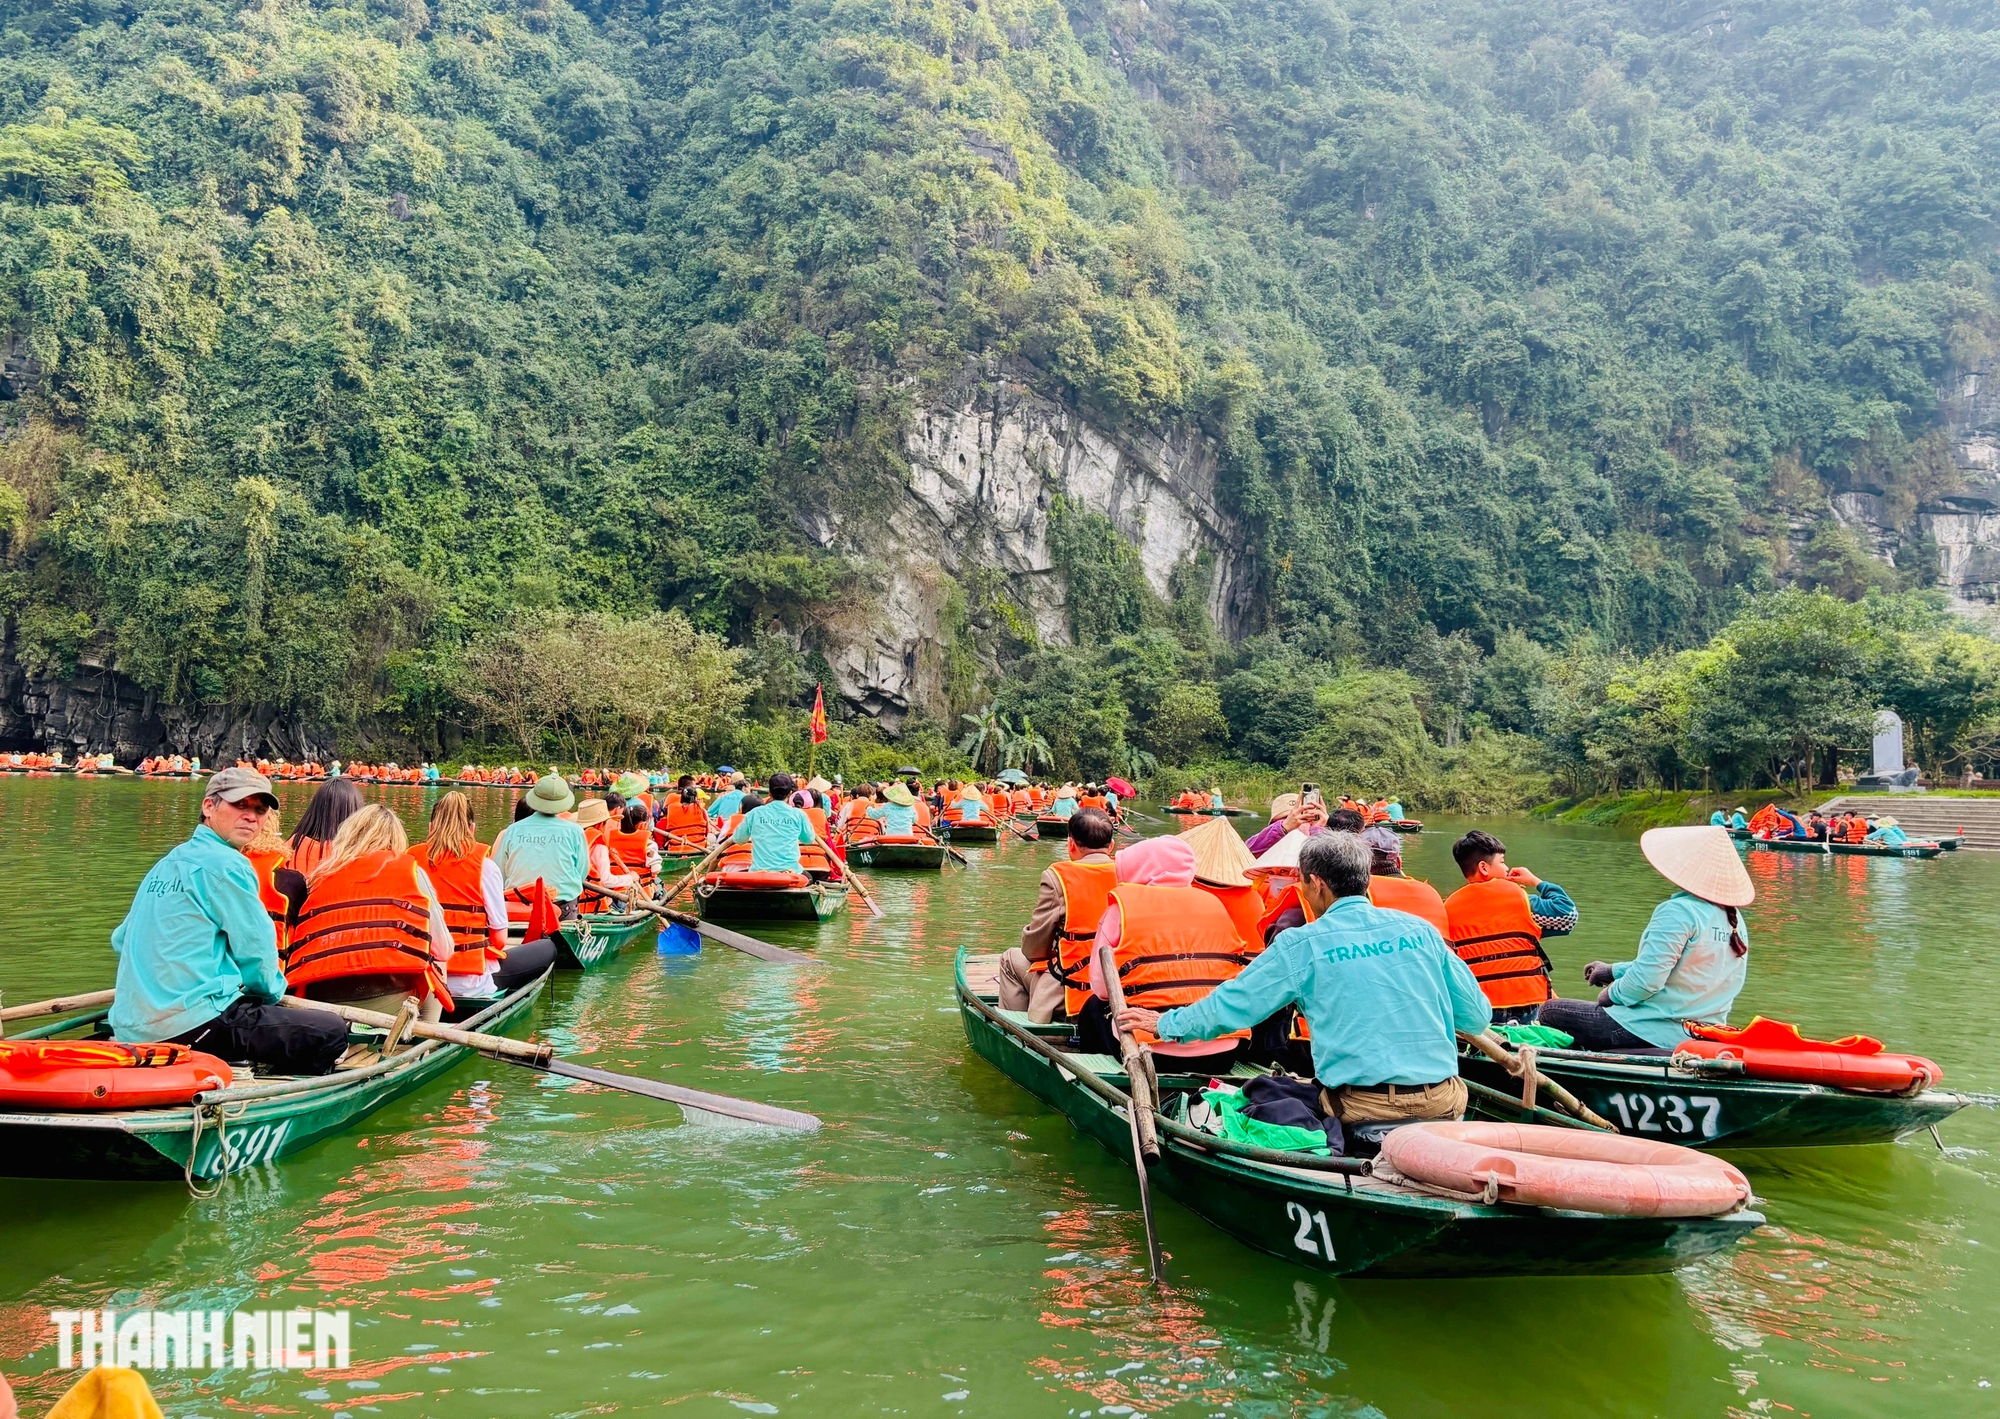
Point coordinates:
[[515, 1245]]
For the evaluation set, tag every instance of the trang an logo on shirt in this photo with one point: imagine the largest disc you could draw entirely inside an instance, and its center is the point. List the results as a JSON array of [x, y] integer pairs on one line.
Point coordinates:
[[201, 1340]]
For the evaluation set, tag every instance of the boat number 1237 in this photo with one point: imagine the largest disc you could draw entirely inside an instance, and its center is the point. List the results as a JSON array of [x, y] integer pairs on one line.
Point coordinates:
[[1665, 1113], [1308, 1221]]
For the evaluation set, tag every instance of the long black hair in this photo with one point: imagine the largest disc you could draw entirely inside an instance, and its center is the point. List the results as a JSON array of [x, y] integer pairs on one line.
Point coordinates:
[[332, 804], [1737, 945]]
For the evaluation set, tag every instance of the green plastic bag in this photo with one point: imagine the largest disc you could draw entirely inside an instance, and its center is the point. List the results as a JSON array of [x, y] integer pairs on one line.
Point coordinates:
[[1540, 1036], [1228, 1106]]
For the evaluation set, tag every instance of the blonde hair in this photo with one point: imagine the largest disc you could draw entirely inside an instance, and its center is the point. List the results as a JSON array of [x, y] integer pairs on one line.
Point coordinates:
[[370, 828], [452, 828], [270, 838]]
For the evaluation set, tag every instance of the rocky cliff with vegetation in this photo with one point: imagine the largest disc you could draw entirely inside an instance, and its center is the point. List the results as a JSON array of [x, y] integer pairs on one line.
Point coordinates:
[[1080, 360]]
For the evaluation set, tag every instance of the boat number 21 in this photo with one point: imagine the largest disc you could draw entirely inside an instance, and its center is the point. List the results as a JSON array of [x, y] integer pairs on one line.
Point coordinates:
[[1665, 1113], [1307, 1221]]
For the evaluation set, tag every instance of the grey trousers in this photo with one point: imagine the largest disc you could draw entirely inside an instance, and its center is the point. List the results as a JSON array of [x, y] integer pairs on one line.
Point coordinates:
[[1024, 988]]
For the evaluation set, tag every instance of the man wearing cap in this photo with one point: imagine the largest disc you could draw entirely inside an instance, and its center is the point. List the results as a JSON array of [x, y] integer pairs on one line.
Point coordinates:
[[546, 846], [1063, 924], [198, 955]]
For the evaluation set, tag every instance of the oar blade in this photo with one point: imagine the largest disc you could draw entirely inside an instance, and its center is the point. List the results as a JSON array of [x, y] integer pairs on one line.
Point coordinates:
[[699, 1100], [751, 946]]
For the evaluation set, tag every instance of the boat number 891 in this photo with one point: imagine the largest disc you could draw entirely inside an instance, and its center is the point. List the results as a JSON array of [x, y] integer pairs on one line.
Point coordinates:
[[1666, 1113], [1303, 1238]]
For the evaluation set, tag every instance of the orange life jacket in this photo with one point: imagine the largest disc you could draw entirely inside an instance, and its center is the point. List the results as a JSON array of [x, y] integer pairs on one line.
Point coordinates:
[[368, 918], [267, 861], [1406, 894], [1764, 818], [1086, 887], [686, 825], [1175, 945], [1491, 928], [1095, 800], [630, 848], [456, 882], [1245, 906]]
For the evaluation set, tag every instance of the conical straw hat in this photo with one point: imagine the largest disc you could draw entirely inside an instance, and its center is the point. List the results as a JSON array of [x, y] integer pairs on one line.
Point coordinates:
[[1282, 855], [1219, 854], [1702, 861]]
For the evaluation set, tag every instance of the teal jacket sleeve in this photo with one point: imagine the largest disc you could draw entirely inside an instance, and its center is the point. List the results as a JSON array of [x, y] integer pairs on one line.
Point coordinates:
[[1660, 946], [234, 907], [1552, 910], [742, 833], [1259, 991]]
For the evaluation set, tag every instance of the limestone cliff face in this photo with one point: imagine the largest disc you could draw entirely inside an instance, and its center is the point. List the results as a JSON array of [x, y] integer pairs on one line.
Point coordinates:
[[1964, 521], [985, 467]]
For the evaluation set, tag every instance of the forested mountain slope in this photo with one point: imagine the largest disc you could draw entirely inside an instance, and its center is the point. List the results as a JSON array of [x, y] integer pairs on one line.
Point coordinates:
[[342, 333]]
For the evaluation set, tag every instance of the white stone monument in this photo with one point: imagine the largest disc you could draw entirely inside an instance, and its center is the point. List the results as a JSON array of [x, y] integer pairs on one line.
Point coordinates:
[[1889, 770]]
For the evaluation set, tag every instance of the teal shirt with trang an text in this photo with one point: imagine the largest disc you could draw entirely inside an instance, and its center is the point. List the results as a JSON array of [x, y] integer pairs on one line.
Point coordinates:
[[196, 937], [1381, 991], [775, 833], [546, 847], [1684, 971]]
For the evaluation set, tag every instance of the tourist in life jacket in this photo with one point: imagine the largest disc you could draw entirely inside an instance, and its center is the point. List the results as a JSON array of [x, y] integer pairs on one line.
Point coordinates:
[[542, 845], [472, 898], [1693, 955], [332, 804], [1064, 803], [631, 842], [1390, 890], [1220, 860], [685, 825], [278, 888], [370, 931], [1497, 922], [608, 877], [727, 805], [776, 830], [198, 954], [1048, 974], [1382, 993], [1171, 944], [1766, 821]]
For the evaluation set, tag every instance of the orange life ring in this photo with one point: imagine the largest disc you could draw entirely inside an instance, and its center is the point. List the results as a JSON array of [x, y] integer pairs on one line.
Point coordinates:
[[746, 880], [1772, 1049], [1539, 1166], [95, 1074]]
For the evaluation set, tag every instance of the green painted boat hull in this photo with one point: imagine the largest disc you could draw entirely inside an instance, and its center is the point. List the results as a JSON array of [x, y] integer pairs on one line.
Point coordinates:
[[1648, 1098], [815, 903], [1055, 829], [591, 942], [1369, 1230], [153, 1145], [972, 832], [1406, 825], [1847, 849], [913, 856]]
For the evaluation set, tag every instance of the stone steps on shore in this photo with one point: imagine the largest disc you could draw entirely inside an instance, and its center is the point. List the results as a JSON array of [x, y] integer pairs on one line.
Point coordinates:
[[1924, 816]]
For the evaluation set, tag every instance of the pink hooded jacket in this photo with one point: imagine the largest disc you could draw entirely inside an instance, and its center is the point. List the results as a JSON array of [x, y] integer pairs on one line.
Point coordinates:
[[1153, 862]]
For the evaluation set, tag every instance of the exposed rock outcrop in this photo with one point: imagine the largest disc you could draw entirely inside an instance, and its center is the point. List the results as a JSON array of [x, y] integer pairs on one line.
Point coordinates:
[[985, 468]]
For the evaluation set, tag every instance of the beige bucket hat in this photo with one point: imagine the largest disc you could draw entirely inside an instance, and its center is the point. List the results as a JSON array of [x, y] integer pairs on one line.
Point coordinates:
[[1219, 854], [1283, 804], [1702, 861], [591, 812]]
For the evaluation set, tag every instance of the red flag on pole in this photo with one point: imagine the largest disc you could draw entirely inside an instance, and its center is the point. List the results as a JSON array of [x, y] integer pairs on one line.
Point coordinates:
[[819, 715]]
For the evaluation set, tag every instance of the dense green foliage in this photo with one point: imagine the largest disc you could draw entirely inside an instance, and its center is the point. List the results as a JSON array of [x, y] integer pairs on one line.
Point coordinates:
[[343, 333]]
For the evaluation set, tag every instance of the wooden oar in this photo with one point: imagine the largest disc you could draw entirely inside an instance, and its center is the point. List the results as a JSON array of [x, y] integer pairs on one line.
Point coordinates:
[[957, 856], [1145, 1141], [61, 1005], [542, 1057], [1525, 1071], [1009, 823], [849, 873], [722, 936], [695, 875]]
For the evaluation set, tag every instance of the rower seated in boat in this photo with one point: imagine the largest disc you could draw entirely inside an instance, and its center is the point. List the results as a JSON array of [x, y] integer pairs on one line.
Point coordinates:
[[607, 877], [544, 846], [1887, 832], [1047, 975], [472, 898], [1693, 954], [776, 830], [1171, 944], [370, 931], [896, 814], [1497, 922], [1381, 991], [198, 952]]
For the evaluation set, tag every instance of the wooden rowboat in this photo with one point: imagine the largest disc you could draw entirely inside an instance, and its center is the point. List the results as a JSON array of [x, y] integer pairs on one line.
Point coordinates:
[[869, 852], [1406, 825], [720, 902], [970, 832], [1325, 1214], [1052, 827], [1908, 849], [254, 1122], [1705, 1104]]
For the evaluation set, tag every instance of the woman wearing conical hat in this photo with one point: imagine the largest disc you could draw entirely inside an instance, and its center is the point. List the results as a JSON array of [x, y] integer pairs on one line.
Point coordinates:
[[1693, 955]]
